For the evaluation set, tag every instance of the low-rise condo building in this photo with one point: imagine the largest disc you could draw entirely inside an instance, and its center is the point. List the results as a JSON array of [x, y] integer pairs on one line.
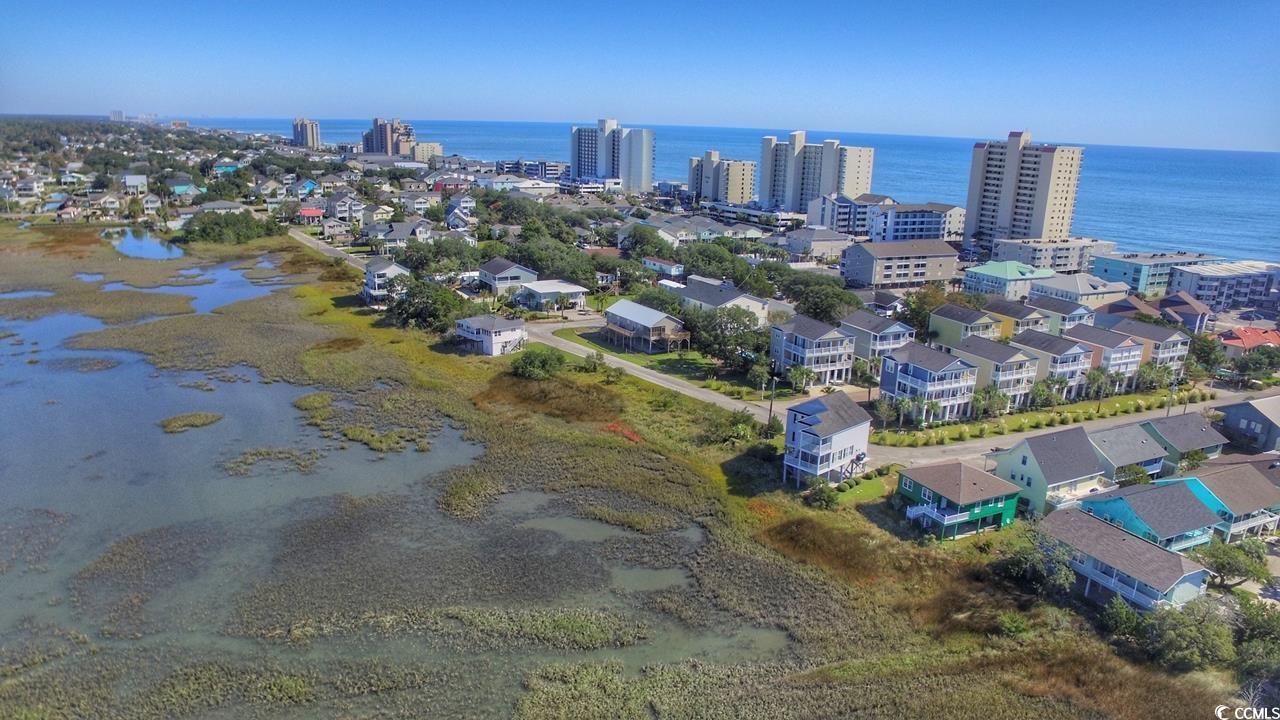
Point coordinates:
[[899, 264], [1008, 279], [1224, 285], [899, 222], [1145, 272], [1081, 288], [1061, 255]]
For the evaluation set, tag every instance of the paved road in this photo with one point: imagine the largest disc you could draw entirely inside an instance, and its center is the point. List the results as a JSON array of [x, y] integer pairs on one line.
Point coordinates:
[[325, 248], [543, 332]]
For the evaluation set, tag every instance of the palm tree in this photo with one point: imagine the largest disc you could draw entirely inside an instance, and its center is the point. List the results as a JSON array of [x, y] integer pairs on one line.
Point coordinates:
[[800, 376], [932, 409], [1118, 381], [904, 405]]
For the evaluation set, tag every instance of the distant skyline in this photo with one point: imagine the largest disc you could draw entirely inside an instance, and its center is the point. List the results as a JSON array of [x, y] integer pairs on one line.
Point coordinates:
[[1179, 74]]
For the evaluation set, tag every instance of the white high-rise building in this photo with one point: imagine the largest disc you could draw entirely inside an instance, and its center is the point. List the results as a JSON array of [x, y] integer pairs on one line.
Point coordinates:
[[726, 181], [793, 172], [610, 151], [1019, 189]]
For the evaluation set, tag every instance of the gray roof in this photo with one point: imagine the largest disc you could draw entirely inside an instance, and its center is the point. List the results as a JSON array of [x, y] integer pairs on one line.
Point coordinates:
[[806, 327], [1189, 431], [1169, 509], [910, 248], [379, 264], [1051, 344], [1008, 308], [835, 412], [1242, 487], [1268, 407], [493, 323], [1127, 445], [923, 207], [713, 295], [1147, 562], [1096, 336], [926, 357], [1064, 455], [1057, 305], [960, 313], [500, 265], [959, 482], [871, 198], [1159, 333], [989, 349], [869, 321]]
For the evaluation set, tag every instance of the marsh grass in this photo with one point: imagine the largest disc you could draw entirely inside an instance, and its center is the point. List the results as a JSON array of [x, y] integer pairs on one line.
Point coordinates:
[[243, 465], [188, 421], [876, 627]]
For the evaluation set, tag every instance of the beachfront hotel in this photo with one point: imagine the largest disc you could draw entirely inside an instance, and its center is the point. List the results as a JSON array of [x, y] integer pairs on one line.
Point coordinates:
[[1021, 189], [794, 172], [725, 181], [611, 151]]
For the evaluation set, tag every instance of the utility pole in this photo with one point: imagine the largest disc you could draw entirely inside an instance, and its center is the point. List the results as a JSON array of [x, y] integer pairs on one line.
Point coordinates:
[[773, 392], [1173, 385]]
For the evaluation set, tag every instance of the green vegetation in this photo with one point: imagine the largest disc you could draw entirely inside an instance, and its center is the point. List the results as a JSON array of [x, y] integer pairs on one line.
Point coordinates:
[[187, 421], [229, 228], [538, 362], [1030, 420], [873, 626]]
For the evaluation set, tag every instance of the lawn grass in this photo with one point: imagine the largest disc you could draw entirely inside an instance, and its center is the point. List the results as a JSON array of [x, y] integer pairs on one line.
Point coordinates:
[[867, 490], [1032, 420], [693, 367]]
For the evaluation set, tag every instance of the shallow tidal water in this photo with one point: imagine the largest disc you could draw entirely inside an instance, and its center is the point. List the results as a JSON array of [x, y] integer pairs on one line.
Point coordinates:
[[84, 464]]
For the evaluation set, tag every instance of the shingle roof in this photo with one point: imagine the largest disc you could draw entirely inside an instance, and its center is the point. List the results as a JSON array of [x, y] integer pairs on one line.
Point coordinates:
[[1127, 445], [835, 412], [807, 327], [1043, 341], [869, 321], [713, 295], [1169, 509], [959, 482], [1147, 562], [1268, 407], [1147, 331], [960, 314], [382, 263], [500, 265], [493, 323], [1057, 306], [989, 349], [1008, 308], [1242, 487], [925, 357], [1189, 431], [1096, 336], [1064, 455], [1182, 300]]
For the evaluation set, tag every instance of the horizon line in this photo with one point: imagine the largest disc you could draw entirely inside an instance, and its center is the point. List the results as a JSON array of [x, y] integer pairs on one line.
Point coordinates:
[[286, 118]]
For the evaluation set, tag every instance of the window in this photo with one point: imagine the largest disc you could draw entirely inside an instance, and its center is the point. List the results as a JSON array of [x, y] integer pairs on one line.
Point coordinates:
[[926, 494], [906, 483], [1024, 460]]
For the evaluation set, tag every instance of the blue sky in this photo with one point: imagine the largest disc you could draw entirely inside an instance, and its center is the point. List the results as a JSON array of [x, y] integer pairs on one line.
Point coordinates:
[[1175, 73]]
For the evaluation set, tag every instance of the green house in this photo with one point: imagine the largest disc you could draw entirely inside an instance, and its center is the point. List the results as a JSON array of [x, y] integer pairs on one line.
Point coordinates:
[[951, 499]]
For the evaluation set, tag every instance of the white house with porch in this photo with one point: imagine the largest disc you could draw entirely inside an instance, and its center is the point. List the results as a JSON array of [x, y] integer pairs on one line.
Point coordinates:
[[378, 275], [559, 294], [492, 335]]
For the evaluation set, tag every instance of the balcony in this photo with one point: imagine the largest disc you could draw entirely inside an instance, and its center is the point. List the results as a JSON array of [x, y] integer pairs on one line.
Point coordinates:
[[1262, 518], [936, 514], [1125, 588]]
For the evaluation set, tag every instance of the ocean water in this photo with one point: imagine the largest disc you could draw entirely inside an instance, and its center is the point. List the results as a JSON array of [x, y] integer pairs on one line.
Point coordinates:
[[1142, 198]]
